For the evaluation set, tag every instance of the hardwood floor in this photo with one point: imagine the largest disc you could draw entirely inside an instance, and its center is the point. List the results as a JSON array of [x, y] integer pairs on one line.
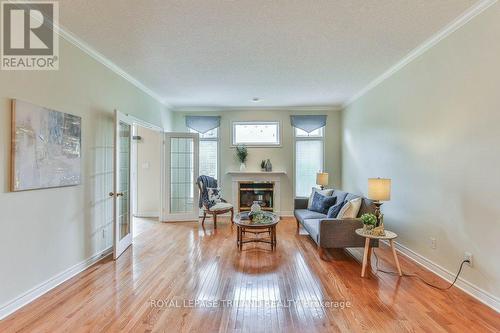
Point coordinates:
[[150, 287]]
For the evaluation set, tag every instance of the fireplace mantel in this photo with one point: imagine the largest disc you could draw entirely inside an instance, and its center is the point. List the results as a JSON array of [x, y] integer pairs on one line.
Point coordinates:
[[255, 176], [263, 173]]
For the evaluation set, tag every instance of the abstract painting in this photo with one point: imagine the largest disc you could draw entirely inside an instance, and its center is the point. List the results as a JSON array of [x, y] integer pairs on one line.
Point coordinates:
[[46, 147]]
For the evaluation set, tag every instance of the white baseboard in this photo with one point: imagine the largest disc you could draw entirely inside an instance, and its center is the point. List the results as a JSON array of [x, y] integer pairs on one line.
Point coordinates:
[[32, 294], [466, 286], [286, 214], [147, 214]]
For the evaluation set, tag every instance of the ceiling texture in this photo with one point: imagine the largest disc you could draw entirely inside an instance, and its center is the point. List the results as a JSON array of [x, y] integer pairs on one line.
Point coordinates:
[[214, 53]]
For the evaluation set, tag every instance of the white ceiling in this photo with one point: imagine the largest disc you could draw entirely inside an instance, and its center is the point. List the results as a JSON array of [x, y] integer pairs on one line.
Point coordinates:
[[286, 52]]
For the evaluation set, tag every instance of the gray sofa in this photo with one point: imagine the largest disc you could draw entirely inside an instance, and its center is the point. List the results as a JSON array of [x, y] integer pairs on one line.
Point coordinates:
[[331, 233]]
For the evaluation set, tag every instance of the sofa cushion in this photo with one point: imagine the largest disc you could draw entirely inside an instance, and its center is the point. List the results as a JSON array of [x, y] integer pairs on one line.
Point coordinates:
[[351, 196], [341, 195], [334, 210], [305, 214], [321, 203], [350, 209], [312, 227], [327, 192], [220, 206], [367, 206]]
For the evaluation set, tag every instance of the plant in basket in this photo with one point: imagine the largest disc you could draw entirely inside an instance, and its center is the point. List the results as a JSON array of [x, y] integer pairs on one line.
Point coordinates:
[[369, 222]]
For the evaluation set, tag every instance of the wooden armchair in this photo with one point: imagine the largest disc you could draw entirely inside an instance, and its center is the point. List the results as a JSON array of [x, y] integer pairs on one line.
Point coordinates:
[[205, 182]]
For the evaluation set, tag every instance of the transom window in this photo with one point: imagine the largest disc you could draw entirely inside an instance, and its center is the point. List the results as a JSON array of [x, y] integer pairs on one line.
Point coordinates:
[[256, 133]]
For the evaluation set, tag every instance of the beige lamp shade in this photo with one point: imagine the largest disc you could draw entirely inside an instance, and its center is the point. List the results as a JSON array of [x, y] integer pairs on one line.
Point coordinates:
[[379, 189], [322, 178]]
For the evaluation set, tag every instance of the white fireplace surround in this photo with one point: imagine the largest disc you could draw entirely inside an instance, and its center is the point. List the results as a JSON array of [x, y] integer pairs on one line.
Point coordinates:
[[258, 176]]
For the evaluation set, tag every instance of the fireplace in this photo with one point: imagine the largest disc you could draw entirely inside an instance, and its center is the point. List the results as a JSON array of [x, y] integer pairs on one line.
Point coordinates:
[[261, 192], [247, 180]]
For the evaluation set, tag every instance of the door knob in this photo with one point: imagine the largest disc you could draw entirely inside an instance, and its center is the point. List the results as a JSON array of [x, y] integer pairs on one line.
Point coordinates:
[[119, 194]]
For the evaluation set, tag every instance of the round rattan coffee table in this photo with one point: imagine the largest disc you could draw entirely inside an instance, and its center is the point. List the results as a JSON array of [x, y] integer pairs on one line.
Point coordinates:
[[246, 225]]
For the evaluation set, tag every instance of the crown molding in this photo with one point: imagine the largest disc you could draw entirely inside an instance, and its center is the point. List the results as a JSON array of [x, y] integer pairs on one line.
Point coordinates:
[[321, 108], [451, 27], [74, 40]]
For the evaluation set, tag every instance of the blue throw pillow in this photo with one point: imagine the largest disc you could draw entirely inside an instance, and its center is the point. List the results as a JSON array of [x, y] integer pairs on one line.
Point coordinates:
[[321, 203], [334, 210]]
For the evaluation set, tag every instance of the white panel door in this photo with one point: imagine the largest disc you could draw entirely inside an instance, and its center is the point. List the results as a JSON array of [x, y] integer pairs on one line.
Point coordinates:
[[181, 172]]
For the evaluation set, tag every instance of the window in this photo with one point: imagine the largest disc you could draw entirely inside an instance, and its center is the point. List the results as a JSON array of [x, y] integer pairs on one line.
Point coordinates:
[[309, 160], [209, 149], [256, 133]]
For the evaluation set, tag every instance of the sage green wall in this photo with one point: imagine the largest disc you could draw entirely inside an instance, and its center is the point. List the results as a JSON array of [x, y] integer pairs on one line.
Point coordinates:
[[282, 158], [44, 232], [433, 128]]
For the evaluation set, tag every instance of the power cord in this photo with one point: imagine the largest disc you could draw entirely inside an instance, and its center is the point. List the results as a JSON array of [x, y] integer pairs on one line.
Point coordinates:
[[417, 276]]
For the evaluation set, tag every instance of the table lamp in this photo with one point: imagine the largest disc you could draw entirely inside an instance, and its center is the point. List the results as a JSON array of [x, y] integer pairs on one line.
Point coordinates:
[[379, 189], [322, 179]]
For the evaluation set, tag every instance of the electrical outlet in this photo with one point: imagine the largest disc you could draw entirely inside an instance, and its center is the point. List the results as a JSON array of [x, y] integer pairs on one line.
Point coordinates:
[[468, 256], [433, 243]]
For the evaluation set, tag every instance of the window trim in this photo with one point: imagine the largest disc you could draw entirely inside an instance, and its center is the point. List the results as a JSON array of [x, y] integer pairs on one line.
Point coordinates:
[[257, 122], [305, 138]]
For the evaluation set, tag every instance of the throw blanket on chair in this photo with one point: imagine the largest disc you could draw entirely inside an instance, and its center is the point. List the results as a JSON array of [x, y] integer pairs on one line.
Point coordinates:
[[205, 182]]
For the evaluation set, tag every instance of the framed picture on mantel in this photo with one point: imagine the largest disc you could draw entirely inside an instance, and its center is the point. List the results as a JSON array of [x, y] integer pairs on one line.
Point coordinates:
[[45, 147]]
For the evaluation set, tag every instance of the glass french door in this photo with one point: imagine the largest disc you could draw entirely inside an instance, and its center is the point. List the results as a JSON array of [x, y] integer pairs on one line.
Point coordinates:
[[182, 165], [122, 208]]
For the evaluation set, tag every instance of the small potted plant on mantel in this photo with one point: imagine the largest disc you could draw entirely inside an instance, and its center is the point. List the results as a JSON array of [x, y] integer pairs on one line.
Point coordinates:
[[242, 154]]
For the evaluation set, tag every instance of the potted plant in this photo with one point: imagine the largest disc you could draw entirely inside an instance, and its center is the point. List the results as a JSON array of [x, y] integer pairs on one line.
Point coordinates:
[[369, 222], [242, 154]]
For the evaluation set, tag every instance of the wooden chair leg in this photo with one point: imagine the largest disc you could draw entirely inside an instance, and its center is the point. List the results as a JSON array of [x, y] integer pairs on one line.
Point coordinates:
[[298, 226], [215, 221], [204, 217], [232, 216]]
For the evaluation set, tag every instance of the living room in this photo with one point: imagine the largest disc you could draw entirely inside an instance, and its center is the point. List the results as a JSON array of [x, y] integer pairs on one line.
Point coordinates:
[[250, 166]]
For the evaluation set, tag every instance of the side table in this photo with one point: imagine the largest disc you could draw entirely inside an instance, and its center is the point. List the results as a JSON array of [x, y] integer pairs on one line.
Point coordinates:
[[390, 236]]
